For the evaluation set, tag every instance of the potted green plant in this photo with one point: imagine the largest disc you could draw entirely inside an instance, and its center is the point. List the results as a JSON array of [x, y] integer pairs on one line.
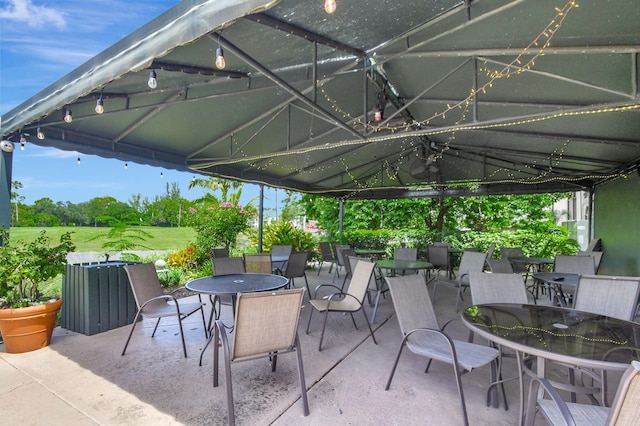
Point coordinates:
[[27, 317]]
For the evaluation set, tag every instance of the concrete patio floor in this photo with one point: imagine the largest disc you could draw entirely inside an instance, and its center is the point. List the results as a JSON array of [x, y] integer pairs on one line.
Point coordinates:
[[83, 380]]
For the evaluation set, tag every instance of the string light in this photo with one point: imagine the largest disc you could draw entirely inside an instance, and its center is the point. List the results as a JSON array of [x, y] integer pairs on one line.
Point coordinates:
[[68, 117], [161, 175], [330, 6], [100, 105], [220, 62], [78, 160], [39, 133], [152, 82], [126, 166]]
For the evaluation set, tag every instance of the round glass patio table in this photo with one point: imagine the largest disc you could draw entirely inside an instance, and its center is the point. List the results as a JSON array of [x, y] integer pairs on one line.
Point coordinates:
[[559, 334], [554, 282]]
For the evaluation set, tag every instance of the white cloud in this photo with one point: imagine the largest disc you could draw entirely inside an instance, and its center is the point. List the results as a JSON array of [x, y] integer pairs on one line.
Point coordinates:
[[24, 11]]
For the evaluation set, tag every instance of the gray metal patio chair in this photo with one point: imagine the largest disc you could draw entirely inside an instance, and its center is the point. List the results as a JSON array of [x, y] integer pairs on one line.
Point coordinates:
[[405, 253], [265, 325], [500, 266], [597, 257], [438, 256], [326, 254], [153, 303], [572, 265], [612, 296], [278, 251], [220, 252], [625, 409], [348, 302], [224, 266], [472, 261], [297, 268], [346, 254], [259, 263], [337, 250], [423, 336], [496, 287]]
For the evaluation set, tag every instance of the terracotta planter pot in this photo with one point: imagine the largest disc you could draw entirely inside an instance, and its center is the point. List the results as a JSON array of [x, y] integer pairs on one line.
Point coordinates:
[[28, 329]]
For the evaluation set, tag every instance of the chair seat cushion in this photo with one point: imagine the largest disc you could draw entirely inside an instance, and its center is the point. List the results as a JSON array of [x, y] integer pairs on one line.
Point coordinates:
[[169, 309], [582, 414], [348, 304], [470, 355]]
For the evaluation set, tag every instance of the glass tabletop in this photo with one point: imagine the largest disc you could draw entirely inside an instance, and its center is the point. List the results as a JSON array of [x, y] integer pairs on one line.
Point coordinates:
[[402, 264], [560, 334], [237, 283]]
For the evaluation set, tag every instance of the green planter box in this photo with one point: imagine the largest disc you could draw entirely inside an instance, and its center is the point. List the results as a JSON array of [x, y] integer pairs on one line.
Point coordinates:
[[97, 297]]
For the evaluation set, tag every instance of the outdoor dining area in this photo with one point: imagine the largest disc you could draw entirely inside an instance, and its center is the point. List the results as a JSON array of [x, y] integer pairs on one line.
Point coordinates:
[[491, 337]]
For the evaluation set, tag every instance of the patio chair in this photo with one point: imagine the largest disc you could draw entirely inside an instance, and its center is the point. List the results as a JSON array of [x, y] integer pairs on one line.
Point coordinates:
[[224, 266], [296, 268], [266, 325], [220, 252], [597, 257], [346, 254], [259, 263], [500, 266], [347, 302], [496, 287], [337, 250], [490, 250], [153, 303], [423, 336], [625, 409], [472, 261], [438, 256], [278, 267], [405, 253], [326, 256], [572, 265], [615, 297]]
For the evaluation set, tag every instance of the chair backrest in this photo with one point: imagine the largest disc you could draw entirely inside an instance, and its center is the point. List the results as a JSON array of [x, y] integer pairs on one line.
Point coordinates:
[[405, 253], [412, 303], [266, 322], [597, 257], [574, 264], [346, 254], [257, 262], [227, 265], [438, 256], [472, 261], [501, 266], [511, 252], [325, 250], [337, 249], [497, 288], [281, 250], [353, 260], [490, 251], [297, 264], [220, 252], [625, 409], [615, 297], [360, 278], [144, 282], [595, 245]]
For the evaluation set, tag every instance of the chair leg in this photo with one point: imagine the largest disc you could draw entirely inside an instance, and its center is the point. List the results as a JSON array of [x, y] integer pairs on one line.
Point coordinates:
[[156, 327], [133, 326], [320, 267], [324, 325], [310, 315], [369, 325], [184, 345], [395, 364], [461, 393], [303, 385]]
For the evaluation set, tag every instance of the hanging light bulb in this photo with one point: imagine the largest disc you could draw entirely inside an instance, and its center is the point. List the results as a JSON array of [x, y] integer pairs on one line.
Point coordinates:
[[126, 166], [22, 146], [329, 6], [161, 175], [78, 160], [220, 62], [100, 105], [40, 133], [68, 118], [23, 138], [153, 83]]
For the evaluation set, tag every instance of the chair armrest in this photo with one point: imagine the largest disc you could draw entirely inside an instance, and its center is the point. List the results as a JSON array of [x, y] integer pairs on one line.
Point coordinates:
[[560, 404], [326, 285], [447, 323]]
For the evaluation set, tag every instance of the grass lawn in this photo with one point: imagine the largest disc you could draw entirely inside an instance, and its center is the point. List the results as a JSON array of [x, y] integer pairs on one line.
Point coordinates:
[[163, 238]]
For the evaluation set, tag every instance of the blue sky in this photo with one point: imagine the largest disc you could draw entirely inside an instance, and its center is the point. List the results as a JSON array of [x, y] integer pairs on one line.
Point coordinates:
[[40, 42]]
